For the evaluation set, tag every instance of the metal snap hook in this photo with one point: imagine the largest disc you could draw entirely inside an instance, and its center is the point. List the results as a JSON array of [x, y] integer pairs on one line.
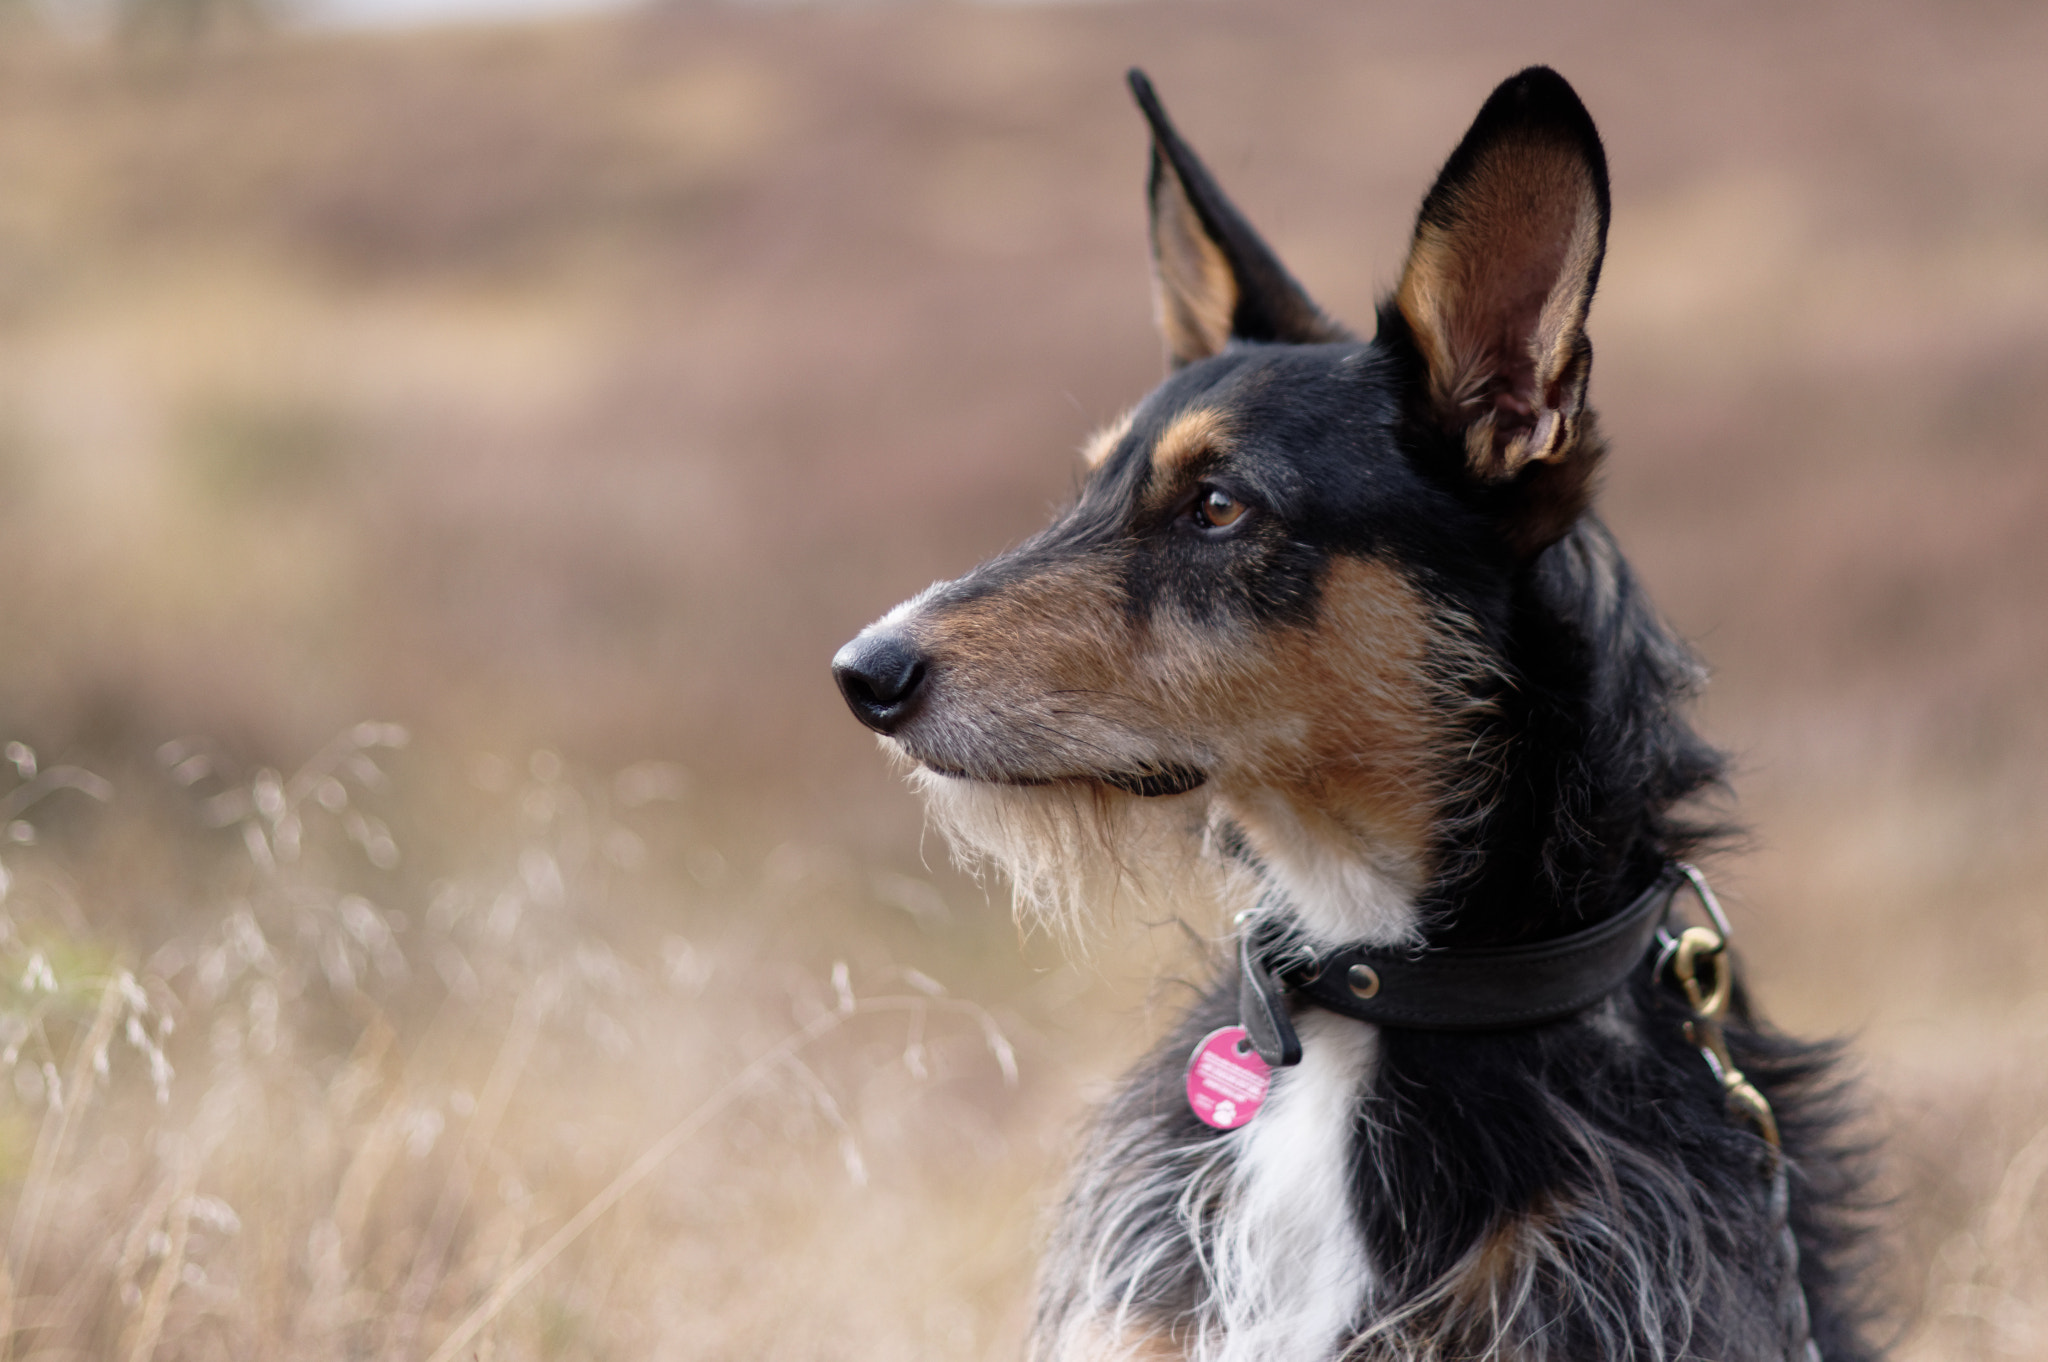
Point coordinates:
[[1697, 945]]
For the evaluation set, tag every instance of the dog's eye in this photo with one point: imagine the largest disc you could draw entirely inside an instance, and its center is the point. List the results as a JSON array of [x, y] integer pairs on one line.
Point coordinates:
[[1216, 508]]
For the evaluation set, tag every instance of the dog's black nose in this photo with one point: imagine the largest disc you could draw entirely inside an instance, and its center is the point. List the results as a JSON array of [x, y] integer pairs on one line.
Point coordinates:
[[880, 675]]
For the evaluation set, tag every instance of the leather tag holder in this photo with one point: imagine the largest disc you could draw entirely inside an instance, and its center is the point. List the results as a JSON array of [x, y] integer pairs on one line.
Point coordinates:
[[1263, 1010]]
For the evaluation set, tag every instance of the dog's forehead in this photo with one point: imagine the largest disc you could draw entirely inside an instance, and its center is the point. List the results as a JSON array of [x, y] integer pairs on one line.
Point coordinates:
[[1278, 416]]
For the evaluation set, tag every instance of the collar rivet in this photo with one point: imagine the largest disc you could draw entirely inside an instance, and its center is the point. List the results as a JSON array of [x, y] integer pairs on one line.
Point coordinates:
[[1364, 980]]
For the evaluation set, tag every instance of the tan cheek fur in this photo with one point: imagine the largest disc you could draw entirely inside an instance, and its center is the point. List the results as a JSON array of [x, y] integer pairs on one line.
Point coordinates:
[[1339, 724]]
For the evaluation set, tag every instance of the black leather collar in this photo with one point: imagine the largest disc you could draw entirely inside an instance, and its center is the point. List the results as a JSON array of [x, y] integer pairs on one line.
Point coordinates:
[[1441, 989]]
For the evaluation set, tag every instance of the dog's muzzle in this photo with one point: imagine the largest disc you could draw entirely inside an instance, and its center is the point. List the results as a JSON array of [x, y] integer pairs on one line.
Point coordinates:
[[886, 678]]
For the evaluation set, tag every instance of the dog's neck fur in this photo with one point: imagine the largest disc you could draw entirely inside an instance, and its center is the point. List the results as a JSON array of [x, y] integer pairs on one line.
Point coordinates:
[[1576, 755], [1570, 811]]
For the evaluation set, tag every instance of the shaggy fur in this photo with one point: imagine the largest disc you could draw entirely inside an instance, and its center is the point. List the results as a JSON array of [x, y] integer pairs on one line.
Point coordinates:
[[1330, 636]]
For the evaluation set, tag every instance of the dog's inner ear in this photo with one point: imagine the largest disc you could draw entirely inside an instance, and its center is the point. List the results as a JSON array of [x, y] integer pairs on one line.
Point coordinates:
[[1506, 254], [1215, 280]]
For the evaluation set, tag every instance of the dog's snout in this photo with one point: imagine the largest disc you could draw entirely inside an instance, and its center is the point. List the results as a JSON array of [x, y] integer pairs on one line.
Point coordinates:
[[881, 676]]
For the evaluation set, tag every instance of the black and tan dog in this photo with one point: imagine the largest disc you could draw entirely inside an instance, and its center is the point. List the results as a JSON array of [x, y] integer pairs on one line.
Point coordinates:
[[1330, 622]]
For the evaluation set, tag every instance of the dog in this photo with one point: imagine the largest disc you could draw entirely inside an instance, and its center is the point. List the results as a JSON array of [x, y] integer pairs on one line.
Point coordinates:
[[1331, 631]]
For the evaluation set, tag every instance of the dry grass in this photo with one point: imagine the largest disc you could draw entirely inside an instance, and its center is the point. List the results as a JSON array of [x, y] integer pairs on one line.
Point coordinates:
[[580, 388], [363, 1106]]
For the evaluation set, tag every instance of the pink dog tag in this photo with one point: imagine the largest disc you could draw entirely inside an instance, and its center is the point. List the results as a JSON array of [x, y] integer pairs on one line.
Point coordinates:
[[1226, 1078]]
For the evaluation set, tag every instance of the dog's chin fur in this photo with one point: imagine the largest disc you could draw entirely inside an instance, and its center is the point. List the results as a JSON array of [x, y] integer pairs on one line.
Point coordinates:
[[1074, 851]]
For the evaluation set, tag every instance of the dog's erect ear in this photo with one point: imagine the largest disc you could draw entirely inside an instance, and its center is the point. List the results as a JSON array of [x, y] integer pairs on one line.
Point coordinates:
[[1507, 250], [1215, 280]]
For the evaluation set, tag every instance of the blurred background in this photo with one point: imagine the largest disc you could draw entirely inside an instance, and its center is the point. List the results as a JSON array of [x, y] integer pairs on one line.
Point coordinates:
[[437, 462]]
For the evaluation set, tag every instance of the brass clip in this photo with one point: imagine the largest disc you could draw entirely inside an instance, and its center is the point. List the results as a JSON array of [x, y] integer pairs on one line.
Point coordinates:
[[1708, 947]]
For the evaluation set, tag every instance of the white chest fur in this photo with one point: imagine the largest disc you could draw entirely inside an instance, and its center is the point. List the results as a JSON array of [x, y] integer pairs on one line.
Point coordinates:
[[1289, 1271]]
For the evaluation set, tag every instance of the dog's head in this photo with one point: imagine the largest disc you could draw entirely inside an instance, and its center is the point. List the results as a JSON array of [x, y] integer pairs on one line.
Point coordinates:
[[1265, 618]]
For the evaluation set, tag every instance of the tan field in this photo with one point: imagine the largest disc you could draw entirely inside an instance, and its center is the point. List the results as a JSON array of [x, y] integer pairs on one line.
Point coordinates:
[[448, 912]]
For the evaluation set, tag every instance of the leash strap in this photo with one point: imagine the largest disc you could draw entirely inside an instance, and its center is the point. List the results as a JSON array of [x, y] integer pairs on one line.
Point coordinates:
[[1441, 989]]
